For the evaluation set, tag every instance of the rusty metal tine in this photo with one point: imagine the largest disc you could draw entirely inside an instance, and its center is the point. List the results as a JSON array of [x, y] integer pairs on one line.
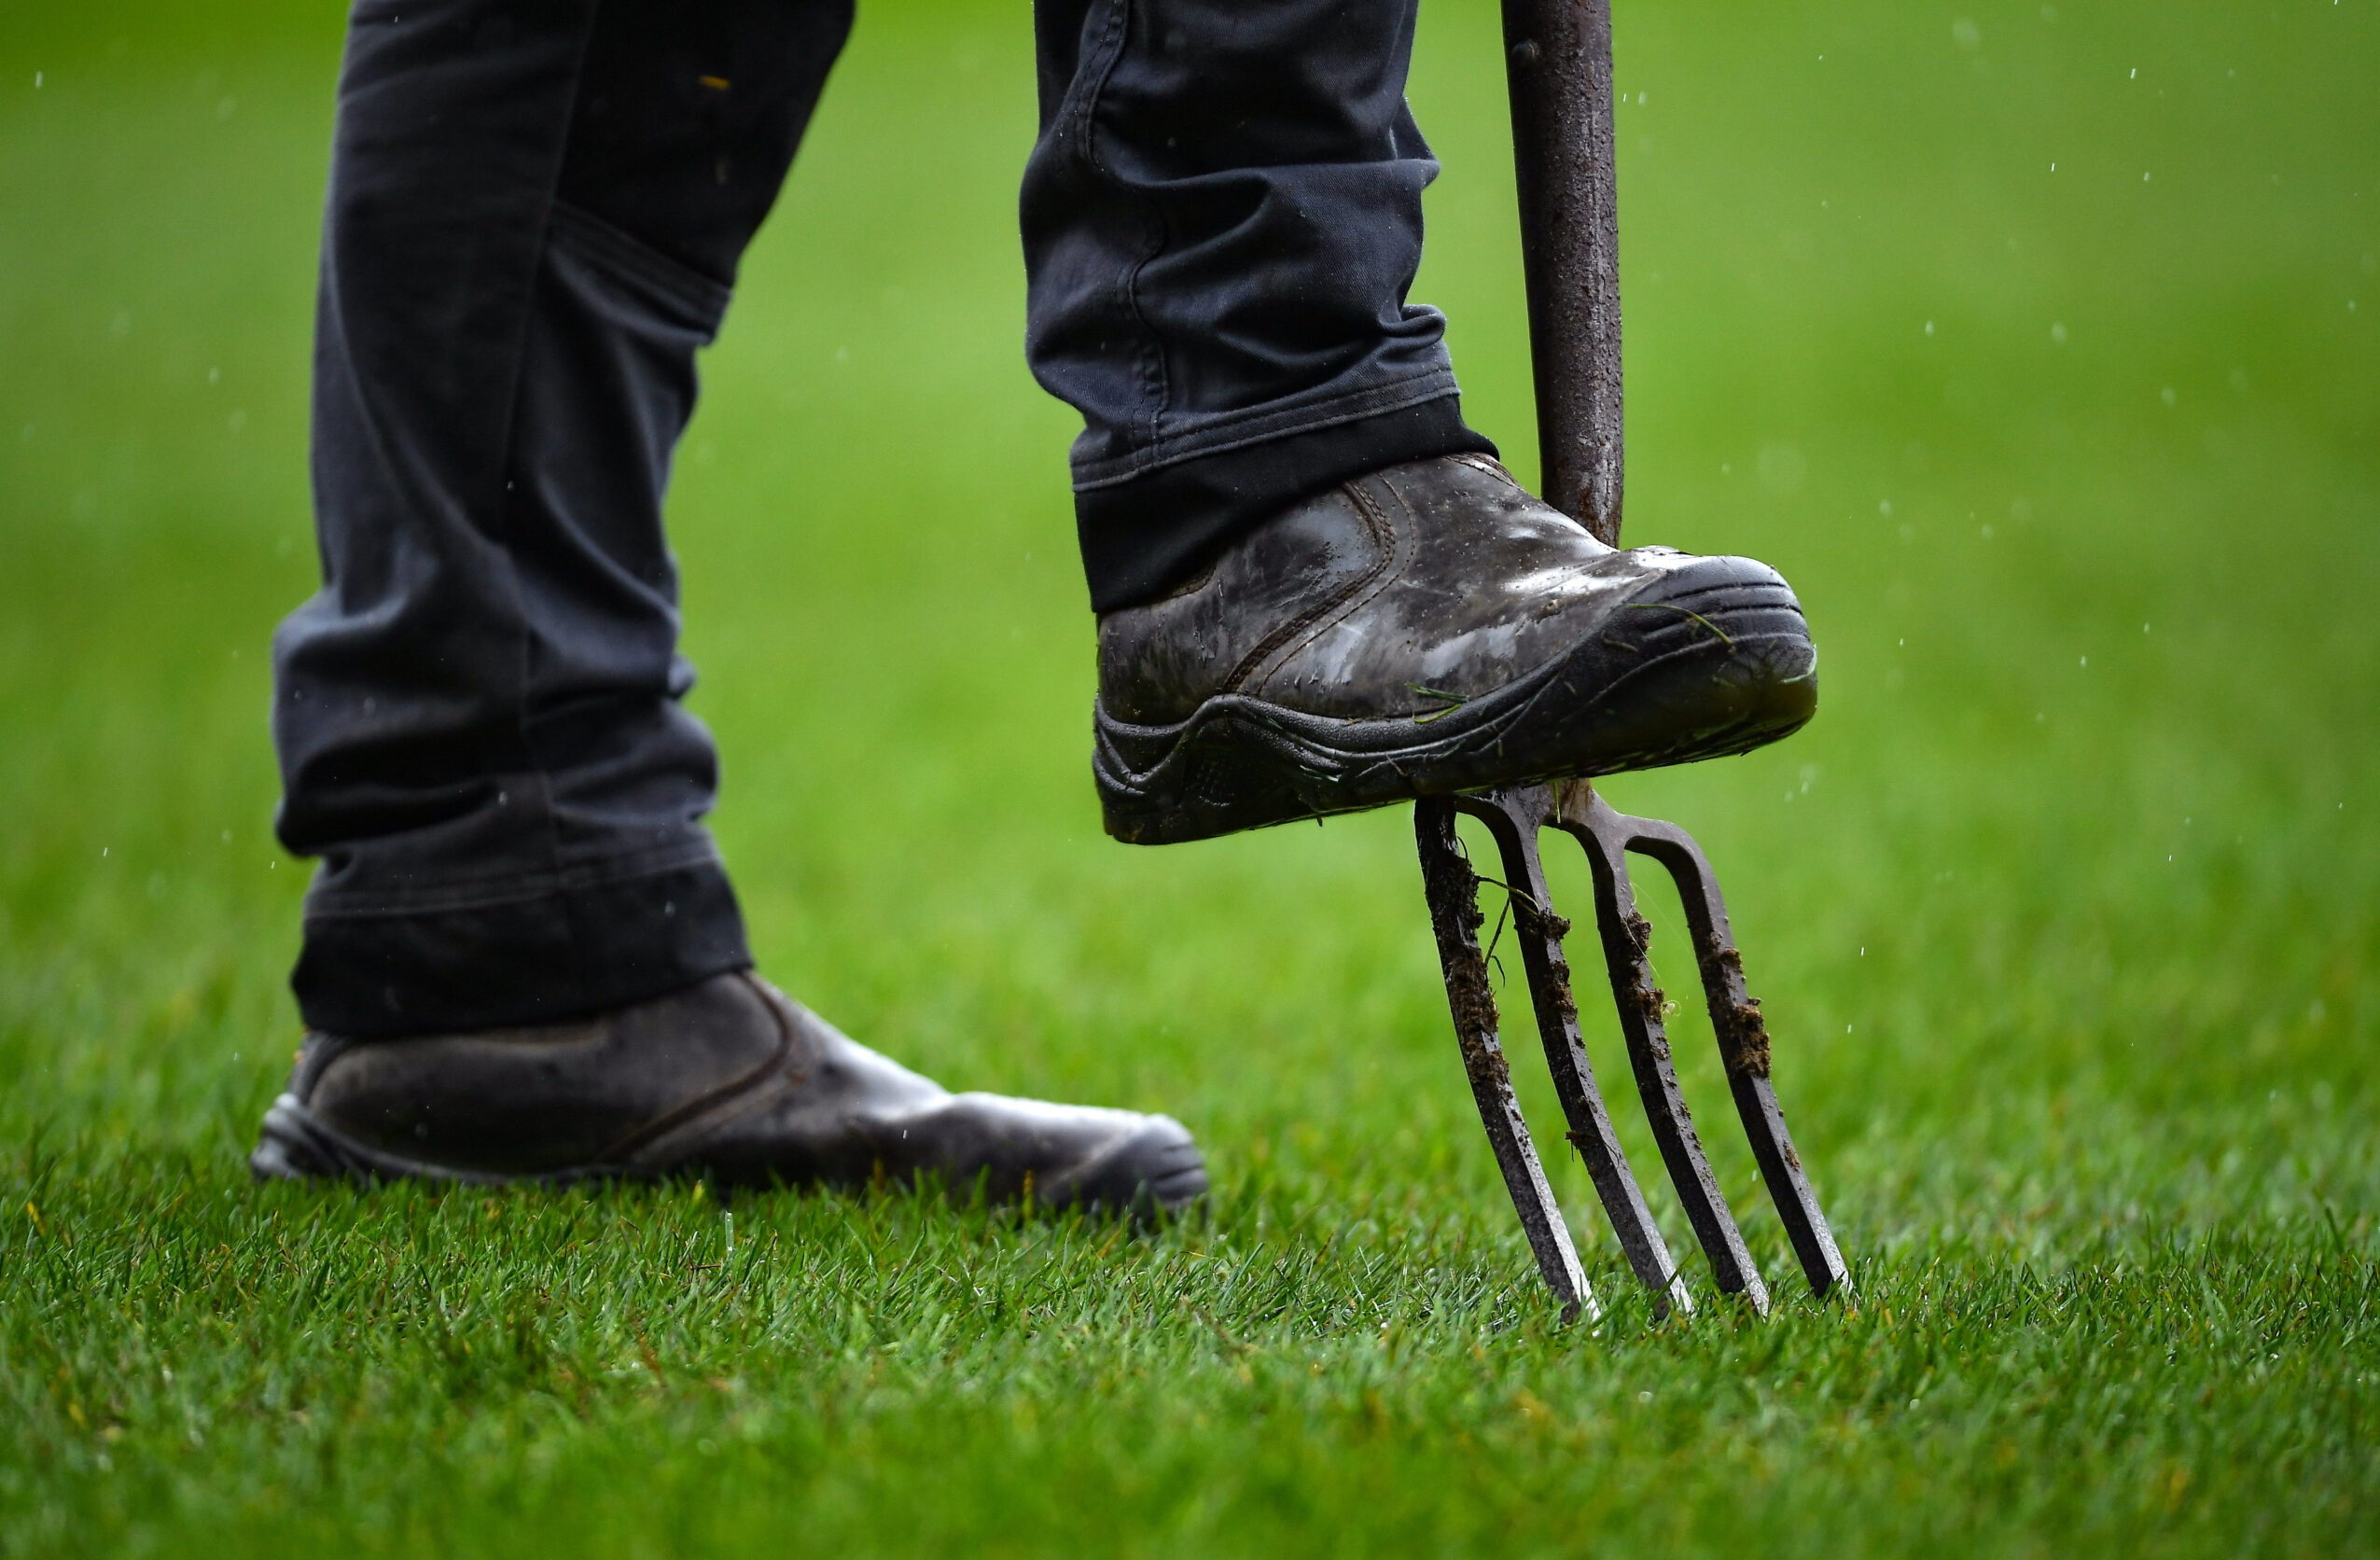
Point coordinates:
[[1627, 939], [1451, 889], [1743, 1041], [1512, 817]]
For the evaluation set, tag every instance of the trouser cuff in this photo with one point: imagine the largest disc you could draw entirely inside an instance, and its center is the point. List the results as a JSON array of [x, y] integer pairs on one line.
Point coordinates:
[[1142, 538], [537, 959]]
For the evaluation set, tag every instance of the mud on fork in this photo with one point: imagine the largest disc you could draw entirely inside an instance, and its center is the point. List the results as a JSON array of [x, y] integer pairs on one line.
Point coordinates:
[[1514, 817]]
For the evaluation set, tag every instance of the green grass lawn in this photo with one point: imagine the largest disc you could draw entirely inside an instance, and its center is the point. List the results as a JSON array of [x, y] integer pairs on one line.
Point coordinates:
[[2037, 346]]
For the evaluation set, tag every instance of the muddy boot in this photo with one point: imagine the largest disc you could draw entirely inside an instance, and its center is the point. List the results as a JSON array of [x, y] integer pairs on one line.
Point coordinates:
[[1427, 629], [728, 1080]]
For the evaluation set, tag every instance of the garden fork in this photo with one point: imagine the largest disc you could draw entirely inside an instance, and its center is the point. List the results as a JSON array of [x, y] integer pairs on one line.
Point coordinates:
[[1558, 59]]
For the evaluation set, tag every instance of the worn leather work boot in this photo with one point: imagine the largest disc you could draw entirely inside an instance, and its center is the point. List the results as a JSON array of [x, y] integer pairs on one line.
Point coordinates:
[[728, 1080], [1427, 629]]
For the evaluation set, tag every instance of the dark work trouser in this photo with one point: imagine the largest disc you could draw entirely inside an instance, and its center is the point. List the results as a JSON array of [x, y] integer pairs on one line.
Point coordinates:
[[535, 210]]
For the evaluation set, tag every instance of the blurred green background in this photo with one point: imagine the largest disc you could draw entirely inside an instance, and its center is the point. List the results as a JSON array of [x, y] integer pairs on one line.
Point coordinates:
[[2035, 343]]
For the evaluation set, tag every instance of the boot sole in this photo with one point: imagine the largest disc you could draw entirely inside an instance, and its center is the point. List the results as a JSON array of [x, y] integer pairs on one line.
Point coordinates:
[[296, 1145], [1711, 661], [1156, 1170]]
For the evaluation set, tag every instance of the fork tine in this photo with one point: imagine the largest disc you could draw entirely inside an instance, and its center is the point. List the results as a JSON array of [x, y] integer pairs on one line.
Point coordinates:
[[1744, 1047], [1513, 818], [1627, 939], [1451, 889]]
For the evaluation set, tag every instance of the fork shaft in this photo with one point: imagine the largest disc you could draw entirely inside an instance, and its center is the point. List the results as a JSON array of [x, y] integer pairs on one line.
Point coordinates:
[[1557, 58], [1558, 65]]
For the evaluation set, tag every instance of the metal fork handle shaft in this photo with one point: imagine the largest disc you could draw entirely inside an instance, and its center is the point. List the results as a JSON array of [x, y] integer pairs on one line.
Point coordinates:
[[1558, 56]]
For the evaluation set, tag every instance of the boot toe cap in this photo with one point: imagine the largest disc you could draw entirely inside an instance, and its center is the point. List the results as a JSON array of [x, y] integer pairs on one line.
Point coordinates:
[[1076, 1156], [1156, 1168]]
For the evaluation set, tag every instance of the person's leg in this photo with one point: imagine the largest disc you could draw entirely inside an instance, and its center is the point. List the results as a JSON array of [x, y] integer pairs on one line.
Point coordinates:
[[1318, 590], [535, 210], [1221, 219], [522, 959]]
